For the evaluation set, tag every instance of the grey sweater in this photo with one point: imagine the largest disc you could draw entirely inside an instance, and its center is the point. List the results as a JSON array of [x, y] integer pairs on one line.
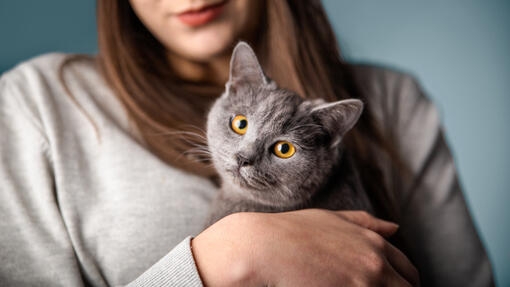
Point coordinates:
[[84, 204]]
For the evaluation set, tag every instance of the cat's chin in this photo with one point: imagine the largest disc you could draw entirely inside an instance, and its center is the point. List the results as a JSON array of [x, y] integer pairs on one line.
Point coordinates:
[[239, 187]]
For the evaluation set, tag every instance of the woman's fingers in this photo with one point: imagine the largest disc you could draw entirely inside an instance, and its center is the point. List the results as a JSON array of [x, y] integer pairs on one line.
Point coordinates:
[[402, 265], [377, 229], [365, 219], [393, 278]]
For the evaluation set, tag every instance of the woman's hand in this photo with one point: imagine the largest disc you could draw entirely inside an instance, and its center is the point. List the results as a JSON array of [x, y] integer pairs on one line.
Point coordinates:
[[310, 247]]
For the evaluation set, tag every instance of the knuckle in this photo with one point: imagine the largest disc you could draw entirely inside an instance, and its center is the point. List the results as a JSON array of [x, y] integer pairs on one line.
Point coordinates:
[[375, 265], [365, 215], [358, 281], [375, 239]]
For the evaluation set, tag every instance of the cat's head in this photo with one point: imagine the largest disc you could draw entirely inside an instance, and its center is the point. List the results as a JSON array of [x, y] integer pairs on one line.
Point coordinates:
[[267, 143]]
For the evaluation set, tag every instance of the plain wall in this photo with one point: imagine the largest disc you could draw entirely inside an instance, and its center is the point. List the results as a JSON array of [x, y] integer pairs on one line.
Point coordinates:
[[458, 49]]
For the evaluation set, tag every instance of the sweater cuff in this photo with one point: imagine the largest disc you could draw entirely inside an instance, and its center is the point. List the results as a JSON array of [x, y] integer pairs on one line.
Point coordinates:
[[177, 268]]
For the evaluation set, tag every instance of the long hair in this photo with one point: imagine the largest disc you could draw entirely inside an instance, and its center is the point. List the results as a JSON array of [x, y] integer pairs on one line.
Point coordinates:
[[297, 48]]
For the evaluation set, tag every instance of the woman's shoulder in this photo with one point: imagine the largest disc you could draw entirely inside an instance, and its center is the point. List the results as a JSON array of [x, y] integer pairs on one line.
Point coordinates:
[[54, 89], [44, 79], [378, 71], [44, 61], [383, 81], [394, 96], [47, 67], [403, 111]]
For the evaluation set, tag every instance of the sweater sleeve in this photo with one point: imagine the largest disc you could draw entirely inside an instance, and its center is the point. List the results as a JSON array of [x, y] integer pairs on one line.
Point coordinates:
[[35, 246], [177, 268], [436, 225]]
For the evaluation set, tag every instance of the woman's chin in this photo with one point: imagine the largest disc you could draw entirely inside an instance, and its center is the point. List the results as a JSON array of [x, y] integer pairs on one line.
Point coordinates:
[[205, 45]]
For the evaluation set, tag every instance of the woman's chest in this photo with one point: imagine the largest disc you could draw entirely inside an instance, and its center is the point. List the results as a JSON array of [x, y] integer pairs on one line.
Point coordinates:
[[124, 209]]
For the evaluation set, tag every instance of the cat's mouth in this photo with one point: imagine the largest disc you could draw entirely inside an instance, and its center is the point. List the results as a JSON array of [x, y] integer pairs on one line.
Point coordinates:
[[244, 180]]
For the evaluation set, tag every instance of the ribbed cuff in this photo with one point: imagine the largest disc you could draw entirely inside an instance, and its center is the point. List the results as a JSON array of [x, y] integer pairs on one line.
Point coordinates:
[[177, 268]]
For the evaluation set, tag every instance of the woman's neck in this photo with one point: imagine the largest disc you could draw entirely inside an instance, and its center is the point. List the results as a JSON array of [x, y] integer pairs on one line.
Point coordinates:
[[211, 72]]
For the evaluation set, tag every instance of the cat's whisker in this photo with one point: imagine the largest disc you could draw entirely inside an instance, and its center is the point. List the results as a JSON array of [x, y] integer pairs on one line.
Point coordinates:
[[201, 130], [196, 146], [185, 135], [199, 146], [199, 160], [198, 151], [198, 155]]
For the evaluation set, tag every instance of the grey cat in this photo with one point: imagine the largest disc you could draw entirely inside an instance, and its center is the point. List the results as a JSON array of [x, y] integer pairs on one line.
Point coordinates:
[[275, 151]]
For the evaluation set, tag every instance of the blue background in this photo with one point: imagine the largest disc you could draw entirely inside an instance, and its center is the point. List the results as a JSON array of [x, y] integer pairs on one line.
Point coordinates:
[[458, 49]]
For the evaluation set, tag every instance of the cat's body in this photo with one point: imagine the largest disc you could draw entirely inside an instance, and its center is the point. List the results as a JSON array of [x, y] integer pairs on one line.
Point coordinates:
[[341, 192], [275, 151]]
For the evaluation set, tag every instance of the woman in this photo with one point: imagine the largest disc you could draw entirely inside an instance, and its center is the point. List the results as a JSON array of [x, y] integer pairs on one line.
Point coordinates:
[[95, 190]]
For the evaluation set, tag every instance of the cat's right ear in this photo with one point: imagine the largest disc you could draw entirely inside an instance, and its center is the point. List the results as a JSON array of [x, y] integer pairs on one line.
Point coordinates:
[[245, 68]]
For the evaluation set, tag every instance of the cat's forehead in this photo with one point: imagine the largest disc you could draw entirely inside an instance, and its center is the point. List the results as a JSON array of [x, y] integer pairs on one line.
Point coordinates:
[[272, 114], [257, 100], [266, 107]]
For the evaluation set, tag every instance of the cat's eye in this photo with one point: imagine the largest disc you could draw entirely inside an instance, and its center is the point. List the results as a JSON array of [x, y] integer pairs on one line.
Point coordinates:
[[239, 124], [284, 149]]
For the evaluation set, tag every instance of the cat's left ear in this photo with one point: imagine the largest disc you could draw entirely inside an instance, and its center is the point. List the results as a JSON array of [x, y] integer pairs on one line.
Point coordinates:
[[338, 117], [245, 68]]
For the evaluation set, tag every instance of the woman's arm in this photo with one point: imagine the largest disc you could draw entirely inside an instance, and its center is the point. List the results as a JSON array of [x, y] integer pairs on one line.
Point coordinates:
[[436, 225]]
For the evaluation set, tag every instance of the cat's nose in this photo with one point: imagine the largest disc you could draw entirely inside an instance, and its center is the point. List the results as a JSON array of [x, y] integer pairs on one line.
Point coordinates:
[[243, 160]]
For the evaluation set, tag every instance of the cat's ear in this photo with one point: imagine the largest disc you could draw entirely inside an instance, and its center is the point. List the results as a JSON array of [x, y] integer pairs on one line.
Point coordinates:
[[245, 68], [338, 117]]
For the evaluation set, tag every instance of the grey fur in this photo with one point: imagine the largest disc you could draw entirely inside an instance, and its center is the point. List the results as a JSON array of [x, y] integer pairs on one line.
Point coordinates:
[[253, 178]]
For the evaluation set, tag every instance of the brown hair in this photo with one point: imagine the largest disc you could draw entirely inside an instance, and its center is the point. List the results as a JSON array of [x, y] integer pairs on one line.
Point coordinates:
[[297, 48]]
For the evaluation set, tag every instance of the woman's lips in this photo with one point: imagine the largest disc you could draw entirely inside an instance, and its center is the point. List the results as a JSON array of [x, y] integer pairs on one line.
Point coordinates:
[[202, 16]]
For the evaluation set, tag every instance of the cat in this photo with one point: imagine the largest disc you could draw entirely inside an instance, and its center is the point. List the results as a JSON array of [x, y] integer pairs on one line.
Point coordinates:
[[275, 151]]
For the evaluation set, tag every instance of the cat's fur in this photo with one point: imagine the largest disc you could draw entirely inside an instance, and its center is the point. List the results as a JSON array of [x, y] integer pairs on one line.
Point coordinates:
[[253, 178]]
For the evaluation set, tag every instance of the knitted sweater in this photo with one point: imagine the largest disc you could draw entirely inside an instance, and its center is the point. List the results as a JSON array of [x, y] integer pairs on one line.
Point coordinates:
[[84, 203]]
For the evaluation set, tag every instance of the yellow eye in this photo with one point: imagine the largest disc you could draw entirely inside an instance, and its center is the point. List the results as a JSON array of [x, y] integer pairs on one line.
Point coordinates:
[[239, 124], [284, 149]]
